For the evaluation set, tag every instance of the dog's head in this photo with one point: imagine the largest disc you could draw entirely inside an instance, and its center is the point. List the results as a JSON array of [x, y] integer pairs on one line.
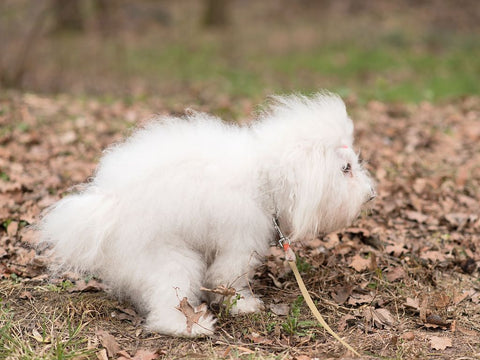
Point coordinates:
[[318, 181]]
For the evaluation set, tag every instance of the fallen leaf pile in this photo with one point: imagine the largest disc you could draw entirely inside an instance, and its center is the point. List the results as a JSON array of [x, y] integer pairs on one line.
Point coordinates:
[[402, 279]]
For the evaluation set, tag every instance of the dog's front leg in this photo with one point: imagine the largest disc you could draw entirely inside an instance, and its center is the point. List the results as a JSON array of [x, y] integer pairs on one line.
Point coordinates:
[[234, 267]]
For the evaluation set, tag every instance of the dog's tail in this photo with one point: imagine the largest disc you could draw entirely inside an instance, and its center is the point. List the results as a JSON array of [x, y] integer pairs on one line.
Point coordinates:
[[77, 229]]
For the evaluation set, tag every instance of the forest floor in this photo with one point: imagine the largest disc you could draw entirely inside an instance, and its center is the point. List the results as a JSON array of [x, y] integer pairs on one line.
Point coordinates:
[[401, 283]]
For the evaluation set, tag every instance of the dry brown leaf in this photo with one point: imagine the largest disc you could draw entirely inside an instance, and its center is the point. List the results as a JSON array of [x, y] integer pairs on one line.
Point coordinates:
[[397, 273], [344, 321], [382, 318], [127, 314], [457, 219], [359, 263], [408, 336], [468, 201], [145, 355], [280, 309], [28, 235], [192, 315], [68, 137], [102, 354], [10, 187], [358, 299], [342, 293], [313, 243], [457, 299], [440, 343], [128, 311], [108, 342], [258, 339], [416, 216], [90, 286], [413, 303], [416, 202], [433, 255], [123, 355], [344, 248], [419, 185], [476, 297], [332, 240], [26, 295], [396, 249], [360, 231], [441, 300], [12, 228], [221, 290], [24, 256]]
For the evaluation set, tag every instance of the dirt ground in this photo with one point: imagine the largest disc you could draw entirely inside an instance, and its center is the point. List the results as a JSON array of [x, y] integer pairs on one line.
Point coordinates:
[[402, 283]]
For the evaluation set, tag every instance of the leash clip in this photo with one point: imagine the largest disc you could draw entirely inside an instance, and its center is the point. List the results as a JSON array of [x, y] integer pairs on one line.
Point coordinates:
[[284, 241]]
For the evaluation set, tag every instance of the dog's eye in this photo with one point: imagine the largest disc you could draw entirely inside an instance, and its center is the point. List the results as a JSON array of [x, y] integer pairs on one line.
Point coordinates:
[[347, 168]]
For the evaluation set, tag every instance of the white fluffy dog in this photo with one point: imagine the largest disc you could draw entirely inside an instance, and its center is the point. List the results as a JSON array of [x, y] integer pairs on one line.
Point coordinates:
[[188, 202]]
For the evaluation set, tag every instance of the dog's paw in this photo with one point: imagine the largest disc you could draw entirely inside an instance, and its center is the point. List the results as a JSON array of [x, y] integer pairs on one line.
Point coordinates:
[[247, 304], [199, 320], [184, 321], [205, 326]]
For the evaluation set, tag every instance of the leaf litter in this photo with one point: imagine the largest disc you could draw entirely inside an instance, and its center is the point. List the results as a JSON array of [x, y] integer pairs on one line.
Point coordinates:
[[403, 276]]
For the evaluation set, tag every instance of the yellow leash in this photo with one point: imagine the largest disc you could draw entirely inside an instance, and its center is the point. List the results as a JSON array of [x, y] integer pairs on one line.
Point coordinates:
[[313, 308], [291, 258]]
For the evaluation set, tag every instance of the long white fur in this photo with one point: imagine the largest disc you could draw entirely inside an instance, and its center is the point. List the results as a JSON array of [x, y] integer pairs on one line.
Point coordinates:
[[188, 202]]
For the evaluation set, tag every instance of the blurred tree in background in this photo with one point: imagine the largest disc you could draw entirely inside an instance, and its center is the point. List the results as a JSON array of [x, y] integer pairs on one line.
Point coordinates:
[[78, 15], [216, 12], [67, 15]]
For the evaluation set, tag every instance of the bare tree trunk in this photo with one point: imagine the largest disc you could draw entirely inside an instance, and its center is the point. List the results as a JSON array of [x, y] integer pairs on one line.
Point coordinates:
[[216, 13], [105, 14], [13, 70], [68, 16]]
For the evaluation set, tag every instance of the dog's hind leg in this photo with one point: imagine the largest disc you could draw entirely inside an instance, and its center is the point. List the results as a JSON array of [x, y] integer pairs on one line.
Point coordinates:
[[172, 297]]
